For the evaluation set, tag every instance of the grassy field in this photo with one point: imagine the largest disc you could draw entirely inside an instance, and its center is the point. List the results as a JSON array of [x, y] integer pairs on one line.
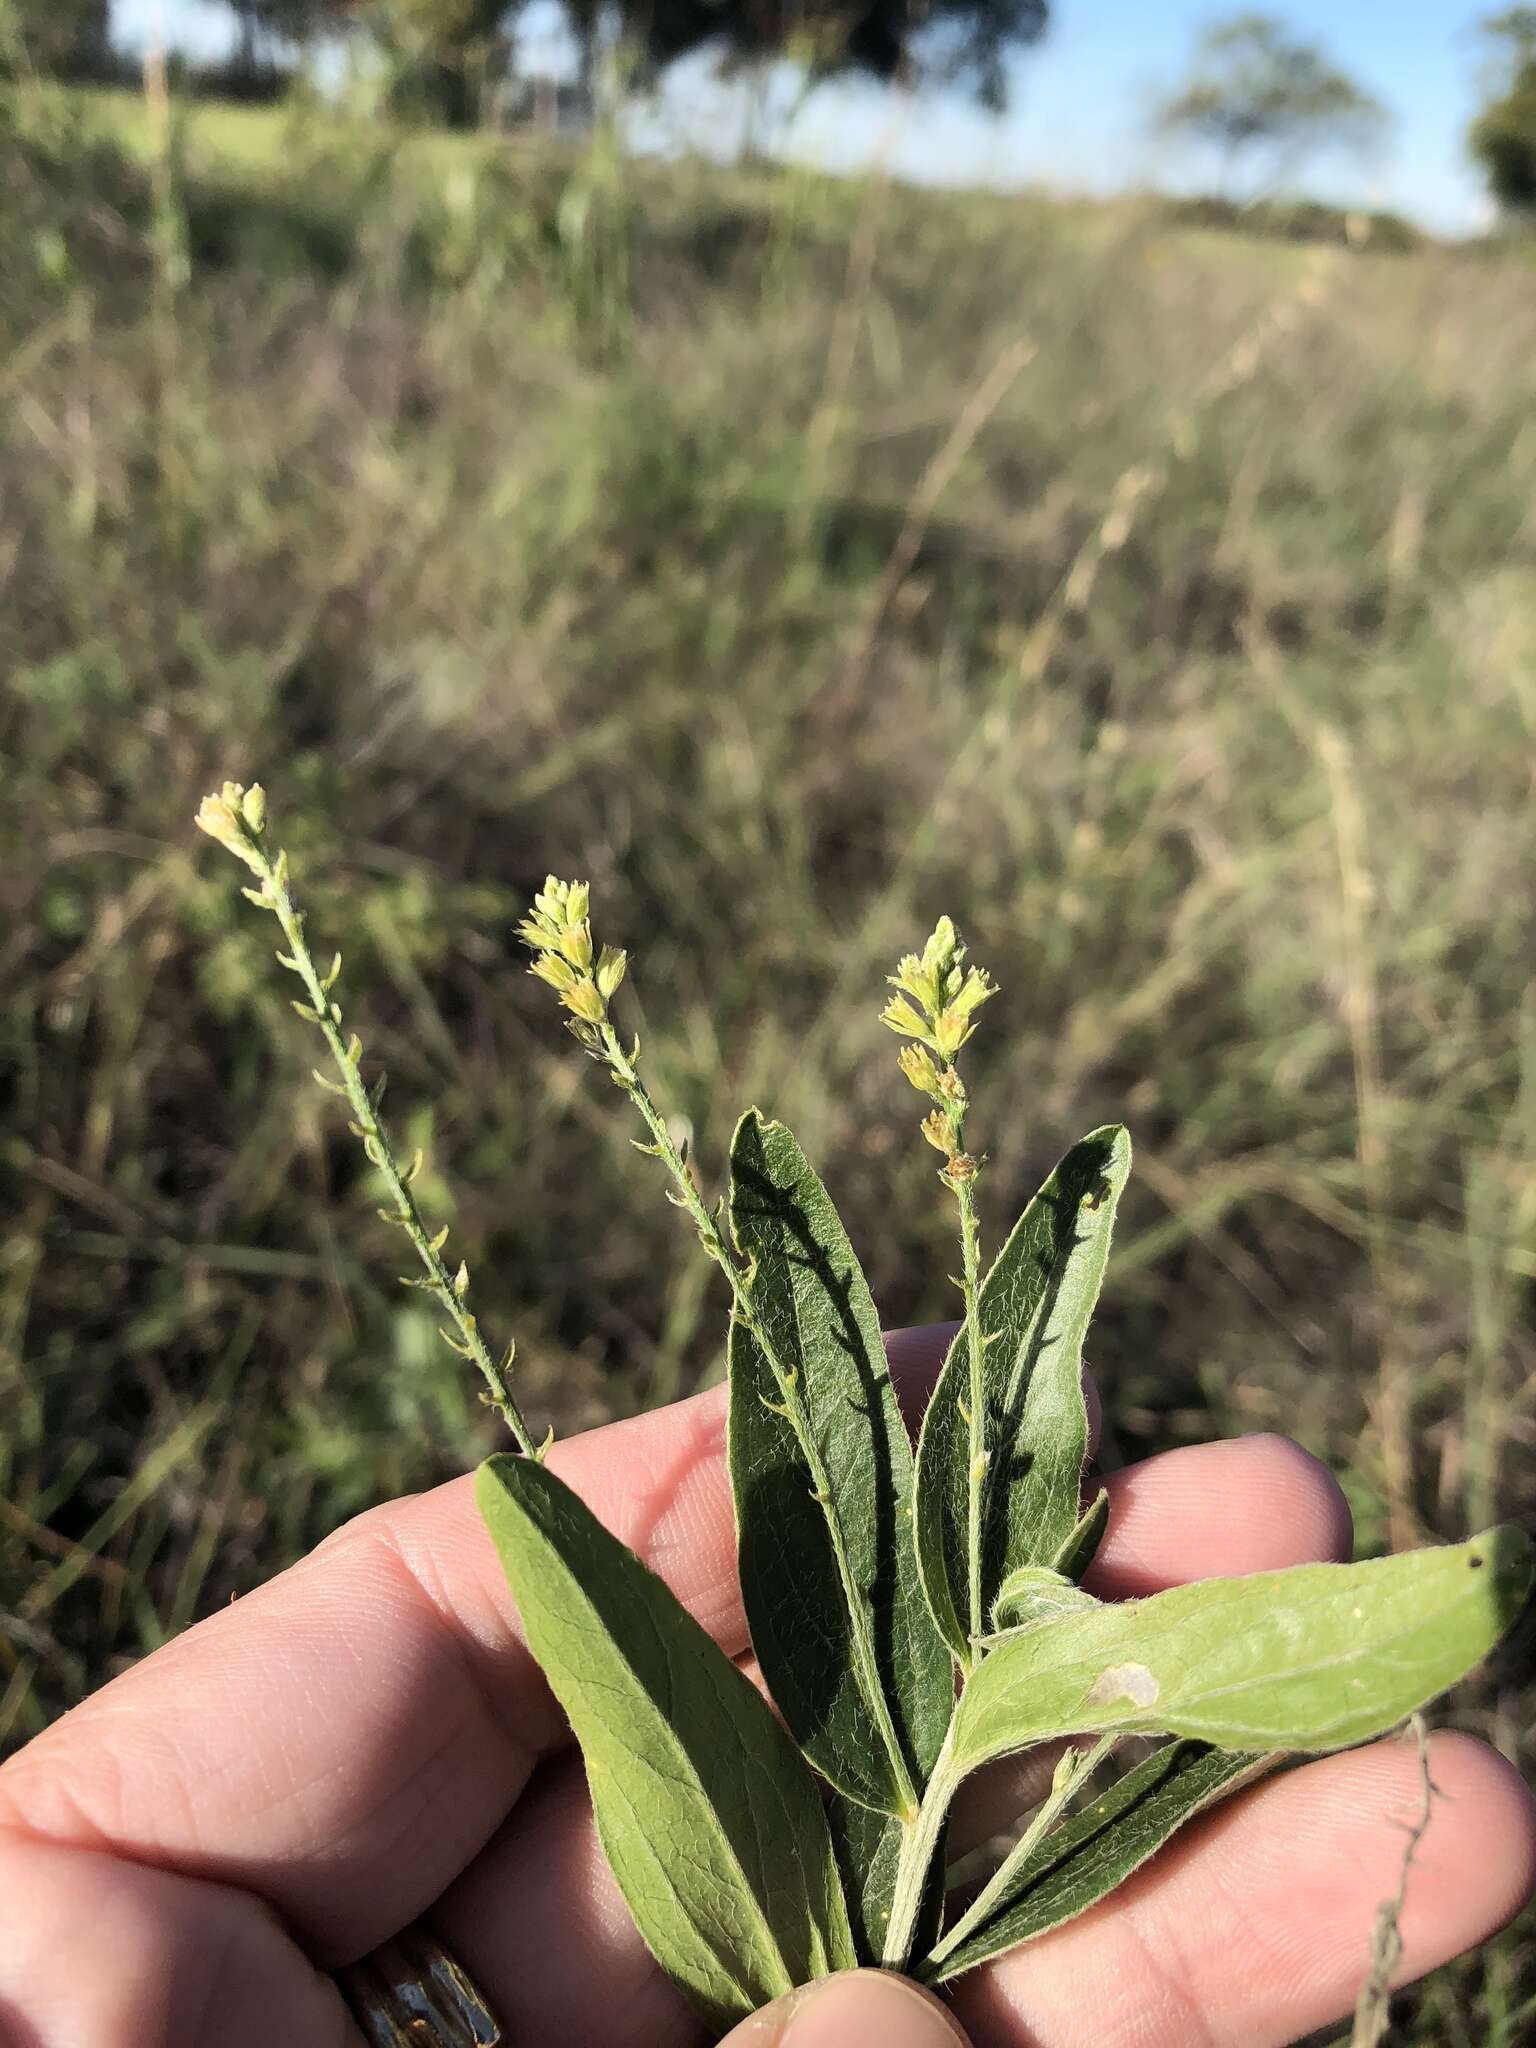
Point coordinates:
[[796, 558]]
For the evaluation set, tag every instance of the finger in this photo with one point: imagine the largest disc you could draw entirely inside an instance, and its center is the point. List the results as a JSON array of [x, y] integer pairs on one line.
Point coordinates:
[[851, 2011], [1254, 1927], [1256, 1504], [344, 1739], [1247, 1505], [97, 1951], [539, 1919]]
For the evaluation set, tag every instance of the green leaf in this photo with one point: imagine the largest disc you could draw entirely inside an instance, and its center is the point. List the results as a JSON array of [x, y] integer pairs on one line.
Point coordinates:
[[1081, 1547], [1094, 1851], [814, 1306], [1032, 1593], [1313, 1658], [1035, 1306], [709, 1818]]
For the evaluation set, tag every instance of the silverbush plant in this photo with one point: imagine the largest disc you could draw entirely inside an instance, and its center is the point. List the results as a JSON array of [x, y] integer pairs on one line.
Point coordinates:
[[914, 1617]]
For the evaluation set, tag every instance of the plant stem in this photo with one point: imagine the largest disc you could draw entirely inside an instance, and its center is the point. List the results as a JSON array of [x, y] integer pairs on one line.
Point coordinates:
[[327, 1014], [919, 1846], [866, 1665], [1046, 1814], [965, 1198]]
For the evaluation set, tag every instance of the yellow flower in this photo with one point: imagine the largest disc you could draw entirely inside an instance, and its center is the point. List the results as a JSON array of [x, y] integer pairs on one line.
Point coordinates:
[[939, 1131], [610, 970], [224, 817], [916, 1062], [900, 1016], [557, 972], [576, 944], [583, 1000], [976, 989]]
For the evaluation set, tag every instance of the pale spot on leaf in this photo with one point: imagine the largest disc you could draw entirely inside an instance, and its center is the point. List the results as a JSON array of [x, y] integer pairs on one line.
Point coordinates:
[[1133, 1682]]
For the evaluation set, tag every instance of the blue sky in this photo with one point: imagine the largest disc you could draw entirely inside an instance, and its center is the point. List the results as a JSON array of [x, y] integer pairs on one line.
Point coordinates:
[[1077, 118]]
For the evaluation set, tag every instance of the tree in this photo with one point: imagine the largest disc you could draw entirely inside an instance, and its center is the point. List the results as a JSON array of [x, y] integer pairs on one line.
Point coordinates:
[[447, 52], [259, 24], [56, 38], [444, 56], [1503, 137], [957, 42], [1260, 94], [268, 31]]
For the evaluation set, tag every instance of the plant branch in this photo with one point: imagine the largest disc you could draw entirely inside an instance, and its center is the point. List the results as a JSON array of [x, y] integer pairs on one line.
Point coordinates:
[[238, 823], [621, 1066], [919, 1846], [976, 1416], [1075, 1767], [935, 1009]]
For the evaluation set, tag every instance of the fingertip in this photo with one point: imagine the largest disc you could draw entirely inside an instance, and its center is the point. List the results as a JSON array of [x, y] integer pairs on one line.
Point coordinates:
[[1482, 1860], [1257, 1503], [853, 2010], [1347, 1833], [1318, 1512], [914, 1356]]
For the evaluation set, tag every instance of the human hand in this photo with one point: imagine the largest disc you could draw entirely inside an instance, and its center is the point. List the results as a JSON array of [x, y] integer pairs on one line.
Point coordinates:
[[366, 1741]]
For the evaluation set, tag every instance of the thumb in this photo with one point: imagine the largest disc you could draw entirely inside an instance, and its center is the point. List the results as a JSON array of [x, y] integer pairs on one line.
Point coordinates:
[[854, 2010]]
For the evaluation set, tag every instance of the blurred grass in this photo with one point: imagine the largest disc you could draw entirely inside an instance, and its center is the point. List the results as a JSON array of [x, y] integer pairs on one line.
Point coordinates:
[[796, 558]]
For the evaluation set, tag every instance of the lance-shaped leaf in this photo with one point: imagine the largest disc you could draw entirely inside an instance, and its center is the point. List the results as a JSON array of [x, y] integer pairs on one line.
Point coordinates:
[[1097, 1849], [709, 1818], [1316, 1657], [826, 1638], [1034, 1308]]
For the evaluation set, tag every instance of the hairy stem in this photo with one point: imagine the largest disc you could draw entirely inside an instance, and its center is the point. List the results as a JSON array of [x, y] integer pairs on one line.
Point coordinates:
[[792, 1395], [919, 1846], [1045, 1817], [970, 1252], [326, 1012]]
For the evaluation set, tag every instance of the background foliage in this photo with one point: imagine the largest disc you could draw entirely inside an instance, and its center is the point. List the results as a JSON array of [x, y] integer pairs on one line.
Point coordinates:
[[1503, 137], [797, 558]]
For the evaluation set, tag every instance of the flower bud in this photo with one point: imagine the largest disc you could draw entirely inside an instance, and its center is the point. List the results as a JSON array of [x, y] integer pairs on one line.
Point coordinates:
[[610, 971], [583, 1000], [576, 944], [943, 947], [951, 1032], [222, 818], [557, 972], [900, 1016], [917, 1064], [939, 1131], [975, 990]]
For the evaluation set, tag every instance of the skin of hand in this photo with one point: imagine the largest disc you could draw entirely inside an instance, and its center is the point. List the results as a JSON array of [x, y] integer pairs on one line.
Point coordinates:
[[366, 1740]]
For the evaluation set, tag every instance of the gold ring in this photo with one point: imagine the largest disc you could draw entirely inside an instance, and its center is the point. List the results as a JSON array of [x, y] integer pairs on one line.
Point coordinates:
[[410, 1993]]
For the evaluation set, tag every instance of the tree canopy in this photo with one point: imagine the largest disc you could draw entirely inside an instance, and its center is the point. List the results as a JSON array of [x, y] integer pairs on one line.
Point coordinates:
[[1259, 93], [444, 51], [60, 38], [1503, 137], [958, 42]]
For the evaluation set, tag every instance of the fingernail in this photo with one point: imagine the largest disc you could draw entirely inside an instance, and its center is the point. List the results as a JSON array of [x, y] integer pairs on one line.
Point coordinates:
[[869, 2009]]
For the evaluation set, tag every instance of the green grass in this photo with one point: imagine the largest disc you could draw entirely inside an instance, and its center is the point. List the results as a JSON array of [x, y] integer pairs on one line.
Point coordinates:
[[509, 509]]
